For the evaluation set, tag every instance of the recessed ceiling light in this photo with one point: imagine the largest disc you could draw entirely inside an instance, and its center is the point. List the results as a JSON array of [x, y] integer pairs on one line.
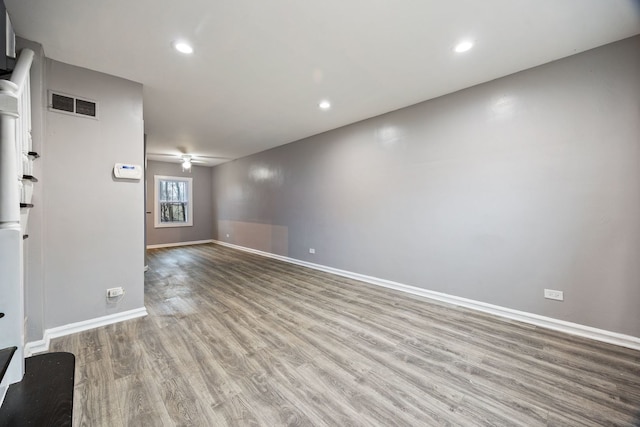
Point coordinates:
[[463, 46], [183, 47], [324, 105]]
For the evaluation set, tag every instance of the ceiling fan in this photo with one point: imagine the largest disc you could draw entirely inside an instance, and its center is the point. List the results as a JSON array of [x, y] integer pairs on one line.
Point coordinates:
[[186, 159]]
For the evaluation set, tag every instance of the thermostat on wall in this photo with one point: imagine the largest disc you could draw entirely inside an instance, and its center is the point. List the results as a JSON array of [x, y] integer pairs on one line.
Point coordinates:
[[125, 171]]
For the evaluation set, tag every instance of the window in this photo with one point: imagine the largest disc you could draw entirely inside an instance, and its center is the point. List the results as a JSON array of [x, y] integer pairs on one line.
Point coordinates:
[[173, 201]]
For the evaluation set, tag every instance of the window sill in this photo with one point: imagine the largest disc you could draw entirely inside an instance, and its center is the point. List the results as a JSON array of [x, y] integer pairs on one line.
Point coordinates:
[[173, 225]]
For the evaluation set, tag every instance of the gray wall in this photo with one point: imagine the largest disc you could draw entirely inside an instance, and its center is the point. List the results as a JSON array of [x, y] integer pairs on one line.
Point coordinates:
[[202, 228], [492, 193], [93, 224]]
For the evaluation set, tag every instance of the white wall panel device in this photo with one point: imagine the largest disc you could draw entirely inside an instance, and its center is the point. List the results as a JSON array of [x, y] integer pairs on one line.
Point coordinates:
[[126, 171]]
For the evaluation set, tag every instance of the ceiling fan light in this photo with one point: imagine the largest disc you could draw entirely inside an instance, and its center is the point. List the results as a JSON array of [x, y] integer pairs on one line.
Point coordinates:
[[186, 163]]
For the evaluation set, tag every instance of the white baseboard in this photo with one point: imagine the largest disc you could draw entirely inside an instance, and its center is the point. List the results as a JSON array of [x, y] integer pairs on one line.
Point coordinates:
[[170, 245], [42, 345], [522, 316], [35, 347]]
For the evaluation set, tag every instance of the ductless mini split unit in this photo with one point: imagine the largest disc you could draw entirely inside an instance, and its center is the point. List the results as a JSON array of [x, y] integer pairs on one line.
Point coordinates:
[[70, 104]]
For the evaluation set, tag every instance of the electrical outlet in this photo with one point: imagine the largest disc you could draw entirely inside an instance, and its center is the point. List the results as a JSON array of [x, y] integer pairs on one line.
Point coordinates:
[[115, 292], [227, 235], [312, 251], [552, 294]]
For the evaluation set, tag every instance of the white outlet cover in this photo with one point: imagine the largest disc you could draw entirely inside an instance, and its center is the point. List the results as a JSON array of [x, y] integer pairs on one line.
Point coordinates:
[[312, 251], [553, 294], [115, 292]]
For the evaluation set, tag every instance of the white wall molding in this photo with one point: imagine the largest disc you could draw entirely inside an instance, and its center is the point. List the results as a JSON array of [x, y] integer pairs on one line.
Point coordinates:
[[522, 316], [35, 347], [42, 345], [171, 245]]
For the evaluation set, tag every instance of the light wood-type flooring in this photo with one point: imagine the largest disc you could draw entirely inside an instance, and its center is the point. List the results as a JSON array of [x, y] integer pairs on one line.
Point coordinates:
[[241, 340]]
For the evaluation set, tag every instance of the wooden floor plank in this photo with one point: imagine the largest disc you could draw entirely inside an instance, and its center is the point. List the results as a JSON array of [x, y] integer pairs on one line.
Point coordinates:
[[240, 340]]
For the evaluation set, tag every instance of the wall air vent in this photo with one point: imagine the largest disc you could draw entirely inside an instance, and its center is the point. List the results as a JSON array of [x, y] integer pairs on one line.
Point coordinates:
[[62, 103], [70, 104], [86, 108]]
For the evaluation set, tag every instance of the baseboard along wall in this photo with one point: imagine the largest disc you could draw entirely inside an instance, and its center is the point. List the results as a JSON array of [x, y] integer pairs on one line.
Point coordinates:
[[42, 345], [171, 245], [521, 316]]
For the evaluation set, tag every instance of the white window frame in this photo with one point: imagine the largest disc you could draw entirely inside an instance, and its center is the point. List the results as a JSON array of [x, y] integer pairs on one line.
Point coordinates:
[[189, 214]]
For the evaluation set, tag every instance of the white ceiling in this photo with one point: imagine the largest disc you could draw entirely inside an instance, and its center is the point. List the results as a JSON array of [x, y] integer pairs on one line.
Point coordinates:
[[261, 67]]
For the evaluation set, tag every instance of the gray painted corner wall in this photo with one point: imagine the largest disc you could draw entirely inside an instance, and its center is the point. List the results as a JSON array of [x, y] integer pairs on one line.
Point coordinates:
[[93, 235], [493, 193], [202, 228]]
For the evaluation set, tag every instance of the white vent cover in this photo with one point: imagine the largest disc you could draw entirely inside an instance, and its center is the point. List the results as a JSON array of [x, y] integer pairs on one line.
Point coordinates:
[[70, 104]]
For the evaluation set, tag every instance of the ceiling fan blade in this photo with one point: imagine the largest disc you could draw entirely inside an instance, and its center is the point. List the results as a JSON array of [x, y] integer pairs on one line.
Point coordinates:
[[211, 157], [194, 158], [177, 156]]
